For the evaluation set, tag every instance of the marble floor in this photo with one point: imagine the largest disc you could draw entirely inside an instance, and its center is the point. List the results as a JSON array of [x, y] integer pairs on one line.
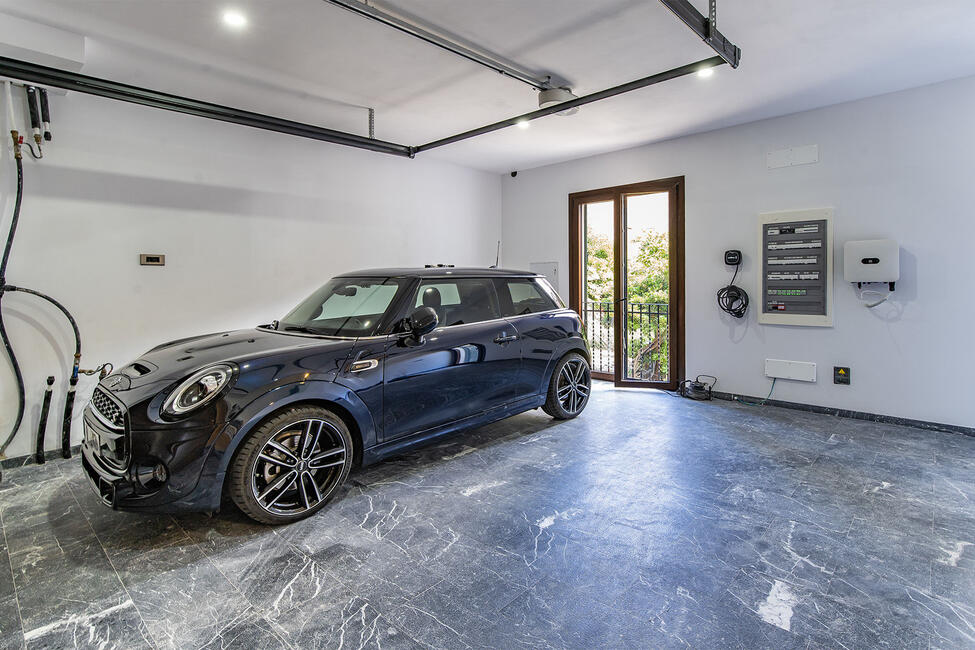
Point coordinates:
[[649, 522]]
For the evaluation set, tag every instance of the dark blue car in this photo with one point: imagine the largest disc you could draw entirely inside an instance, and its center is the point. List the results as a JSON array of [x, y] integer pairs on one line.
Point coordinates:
[[373, 362]]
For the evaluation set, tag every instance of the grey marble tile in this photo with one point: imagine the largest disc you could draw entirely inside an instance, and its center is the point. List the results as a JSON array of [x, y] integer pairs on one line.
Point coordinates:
[[435, 622], [41, 516], [247, 631], [905, 601], [271, 574], [11, 631], [183, 598], [553, 614], [66, 581], [117, 626], [346, 622], [802, 555], [6, 575], [27, 475]]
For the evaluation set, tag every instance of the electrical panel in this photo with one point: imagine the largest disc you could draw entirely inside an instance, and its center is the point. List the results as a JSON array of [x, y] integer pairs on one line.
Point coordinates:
[[797, 267]]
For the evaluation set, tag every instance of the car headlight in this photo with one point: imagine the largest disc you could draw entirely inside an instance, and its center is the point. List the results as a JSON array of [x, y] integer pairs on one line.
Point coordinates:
[[199, 389]]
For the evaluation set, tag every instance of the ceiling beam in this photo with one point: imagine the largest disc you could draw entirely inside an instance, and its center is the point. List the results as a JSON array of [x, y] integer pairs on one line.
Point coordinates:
[[54, 78], [579, 101]]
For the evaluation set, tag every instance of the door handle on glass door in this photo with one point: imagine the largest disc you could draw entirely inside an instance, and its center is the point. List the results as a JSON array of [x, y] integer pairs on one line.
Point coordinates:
[[501, 340]]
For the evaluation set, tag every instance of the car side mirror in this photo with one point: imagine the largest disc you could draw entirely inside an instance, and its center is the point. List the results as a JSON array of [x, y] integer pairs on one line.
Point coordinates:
[[422, 321]]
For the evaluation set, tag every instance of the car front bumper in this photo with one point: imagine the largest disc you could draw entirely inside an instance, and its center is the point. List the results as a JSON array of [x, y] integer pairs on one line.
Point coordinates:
[[115, 476]]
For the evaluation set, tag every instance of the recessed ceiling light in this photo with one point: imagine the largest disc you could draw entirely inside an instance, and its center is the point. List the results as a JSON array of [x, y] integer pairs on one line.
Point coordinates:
[[704, 73], [234, 19], [523, 124]]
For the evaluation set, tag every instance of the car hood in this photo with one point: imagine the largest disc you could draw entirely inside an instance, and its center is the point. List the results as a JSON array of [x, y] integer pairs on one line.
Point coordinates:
[[175, 360]]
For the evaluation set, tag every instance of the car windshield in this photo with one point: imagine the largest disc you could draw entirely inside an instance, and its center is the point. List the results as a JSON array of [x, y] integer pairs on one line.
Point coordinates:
[[344, 307]]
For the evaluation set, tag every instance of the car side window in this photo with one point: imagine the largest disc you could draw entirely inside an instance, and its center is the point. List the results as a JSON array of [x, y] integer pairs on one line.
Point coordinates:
[[460, 301], [521, 296]]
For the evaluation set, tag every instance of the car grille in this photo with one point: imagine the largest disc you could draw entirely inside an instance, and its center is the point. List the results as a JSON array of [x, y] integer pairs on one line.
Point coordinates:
[[108, 409]]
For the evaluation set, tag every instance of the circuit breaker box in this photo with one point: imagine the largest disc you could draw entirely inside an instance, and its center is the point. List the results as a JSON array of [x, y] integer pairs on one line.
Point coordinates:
[[797, 267]]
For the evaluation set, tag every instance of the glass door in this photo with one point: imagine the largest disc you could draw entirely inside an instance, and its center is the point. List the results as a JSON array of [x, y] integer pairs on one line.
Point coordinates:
[[645, 288], [626, 280], [597, 308]]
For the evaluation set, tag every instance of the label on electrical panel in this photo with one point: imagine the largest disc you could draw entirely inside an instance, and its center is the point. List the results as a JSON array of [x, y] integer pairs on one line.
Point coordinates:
[[785, 261], [789, 245], [778, 276], [793, 230]]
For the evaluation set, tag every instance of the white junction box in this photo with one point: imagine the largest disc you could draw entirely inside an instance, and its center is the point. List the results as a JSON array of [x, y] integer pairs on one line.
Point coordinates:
[[796, 370], [871, 260]]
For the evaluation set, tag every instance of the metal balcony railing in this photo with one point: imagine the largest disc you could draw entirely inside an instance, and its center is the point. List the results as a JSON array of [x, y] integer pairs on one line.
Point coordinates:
[[646, 340]]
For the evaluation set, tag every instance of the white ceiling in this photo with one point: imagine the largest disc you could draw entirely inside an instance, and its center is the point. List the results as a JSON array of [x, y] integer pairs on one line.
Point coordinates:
[[796, 55]]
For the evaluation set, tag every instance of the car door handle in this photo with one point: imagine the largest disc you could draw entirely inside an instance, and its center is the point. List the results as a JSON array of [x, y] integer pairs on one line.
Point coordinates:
[[501, 340]]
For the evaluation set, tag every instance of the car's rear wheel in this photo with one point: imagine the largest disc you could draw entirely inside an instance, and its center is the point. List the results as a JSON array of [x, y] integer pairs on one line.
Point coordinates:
[[291, 465], [569, 388]]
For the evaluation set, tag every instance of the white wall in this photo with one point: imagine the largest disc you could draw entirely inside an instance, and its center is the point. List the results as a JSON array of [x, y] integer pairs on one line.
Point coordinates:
[[250, 222], [898, 166]]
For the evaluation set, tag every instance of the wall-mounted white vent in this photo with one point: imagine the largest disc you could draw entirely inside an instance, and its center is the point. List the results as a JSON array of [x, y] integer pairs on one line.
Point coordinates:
[[796, 370], [792, 156]]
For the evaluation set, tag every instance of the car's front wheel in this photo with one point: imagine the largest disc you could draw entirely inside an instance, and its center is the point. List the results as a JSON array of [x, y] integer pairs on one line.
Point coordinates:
[[568, 391], [291, 465]]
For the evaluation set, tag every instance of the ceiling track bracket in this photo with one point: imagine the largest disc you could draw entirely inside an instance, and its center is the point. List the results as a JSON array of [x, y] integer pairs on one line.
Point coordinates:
[[706, 27]]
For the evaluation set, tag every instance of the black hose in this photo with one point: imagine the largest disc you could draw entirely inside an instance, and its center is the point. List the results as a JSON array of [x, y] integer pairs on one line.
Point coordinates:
[[13, 223], [42, 425], [733, 300], [73, 382], [35, 122], [67, 314], [66, 418], [45, 114], [3, 288]]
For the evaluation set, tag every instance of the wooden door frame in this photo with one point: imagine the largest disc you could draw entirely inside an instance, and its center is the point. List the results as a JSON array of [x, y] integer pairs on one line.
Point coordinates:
[[675, 186]]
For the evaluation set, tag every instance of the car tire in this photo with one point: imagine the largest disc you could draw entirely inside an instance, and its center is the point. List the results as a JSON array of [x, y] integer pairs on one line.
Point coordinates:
[[291, 465], [569, 388]]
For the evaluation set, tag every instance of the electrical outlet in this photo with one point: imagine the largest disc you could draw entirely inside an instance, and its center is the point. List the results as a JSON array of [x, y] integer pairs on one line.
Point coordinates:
[[841, 375]]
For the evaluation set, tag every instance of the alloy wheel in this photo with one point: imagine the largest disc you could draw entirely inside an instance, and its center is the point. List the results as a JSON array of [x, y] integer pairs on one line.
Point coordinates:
[[298, 467], [574, 386]]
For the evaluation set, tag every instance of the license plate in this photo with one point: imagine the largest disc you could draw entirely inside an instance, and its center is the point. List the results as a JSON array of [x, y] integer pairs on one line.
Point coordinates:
[[92, 437]]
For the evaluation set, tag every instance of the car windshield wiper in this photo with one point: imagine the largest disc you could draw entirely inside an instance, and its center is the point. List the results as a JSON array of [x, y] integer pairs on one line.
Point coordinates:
[[306, 330]]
